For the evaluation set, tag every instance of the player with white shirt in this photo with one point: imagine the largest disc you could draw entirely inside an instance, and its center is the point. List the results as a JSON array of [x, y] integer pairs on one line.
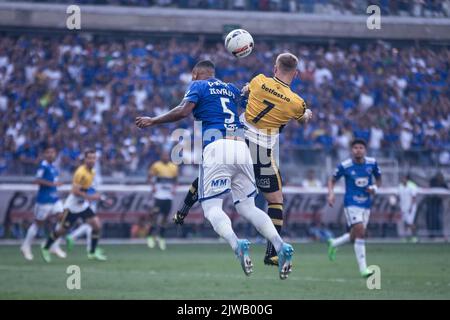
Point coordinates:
[[407, 192], [359, 188], [47, 202], [227, 164]]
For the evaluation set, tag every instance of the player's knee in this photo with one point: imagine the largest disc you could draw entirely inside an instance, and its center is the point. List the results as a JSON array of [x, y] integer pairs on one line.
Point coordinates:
[[274, 197], [211, 208]]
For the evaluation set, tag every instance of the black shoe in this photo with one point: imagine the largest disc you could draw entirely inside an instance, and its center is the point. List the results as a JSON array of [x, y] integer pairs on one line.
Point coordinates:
[[178, 218], [271, 261]]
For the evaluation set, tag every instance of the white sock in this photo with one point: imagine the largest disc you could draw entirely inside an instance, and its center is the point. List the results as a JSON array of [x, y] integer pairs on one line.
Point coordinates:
[[80, 231], [360, 252], [345, 238], [88, 237], [221, 223], [57, 243], [260, 220], [31, 234]]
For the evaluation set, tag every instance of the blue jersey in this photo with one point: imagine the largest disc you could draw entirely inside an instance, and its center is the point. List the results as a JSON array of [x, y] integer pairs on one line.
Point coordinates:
[[358, 176], [216, 106], [47, 171]]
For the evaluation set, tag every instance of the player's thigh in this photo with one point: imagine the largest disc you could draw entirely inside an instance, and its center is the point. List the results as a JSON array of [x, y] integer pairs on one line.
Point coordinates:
[[214, 180], [243, 184], [68, 219], [274, 197], [91, 218], [42, 211], [165, 207], [267, 175]]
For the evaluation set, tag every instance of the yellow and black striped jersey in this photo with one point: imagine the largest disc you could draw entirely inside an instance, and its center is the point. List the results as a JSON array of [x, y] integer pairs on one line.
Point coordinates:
[[164, 176], [272, 104]]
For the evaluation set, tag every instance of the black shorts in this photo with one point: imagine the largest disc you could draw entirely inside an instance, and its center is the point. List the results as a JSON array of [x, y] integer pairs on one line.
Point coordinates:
[[69, 218], [267, 174], [162, 206]]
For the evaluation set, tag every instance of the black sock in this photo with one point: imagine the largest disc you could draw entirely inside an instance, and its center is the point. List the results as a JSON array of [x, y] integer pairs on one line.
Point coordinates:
[[275, 213], [162, 231], [50, 240], [190, 199], [150, 231], [94, 241]]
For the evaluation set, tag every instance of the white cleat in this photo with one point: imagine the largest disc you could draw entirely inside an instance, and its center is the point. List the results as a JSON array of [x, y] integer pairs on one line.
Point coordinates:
[[26, 250], [58, 252]]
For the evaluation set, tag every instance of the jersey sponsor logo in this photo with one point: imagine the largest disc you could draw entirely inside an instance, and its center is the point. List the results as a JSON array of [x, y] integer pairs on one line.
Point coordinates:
[[360, 199], [362, 182], [275, 93]]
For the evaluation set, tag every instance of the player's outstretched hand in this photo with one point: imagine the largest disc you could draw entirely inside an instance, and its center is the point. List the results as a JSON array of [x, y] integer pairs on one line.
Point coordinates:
[[307, 116], [245, 90], [143, 122]]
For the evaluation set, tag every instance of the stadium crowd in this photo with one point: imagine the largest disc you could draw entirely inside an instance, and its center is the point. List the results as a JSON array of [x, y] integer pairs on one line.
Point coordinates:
[[415, 8], [77, 91]]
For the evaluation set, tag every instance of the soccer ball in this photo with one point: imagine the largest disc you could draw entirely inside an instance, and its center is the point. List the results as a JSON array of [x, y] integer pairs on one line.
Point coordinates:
[[239, 43]]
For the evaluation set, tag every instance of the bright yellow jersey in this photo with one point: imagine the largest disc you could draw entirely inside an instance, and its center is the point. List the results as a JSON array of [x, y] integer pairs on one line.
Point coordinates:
[[165, 175], [164, 170], [271, 104], [84, 177]]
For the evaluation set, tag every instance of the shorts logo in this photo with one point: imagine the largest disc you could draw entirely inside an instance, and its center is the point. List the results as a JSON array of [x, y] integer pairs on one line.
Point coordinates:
[[263, 183], [219, 183]]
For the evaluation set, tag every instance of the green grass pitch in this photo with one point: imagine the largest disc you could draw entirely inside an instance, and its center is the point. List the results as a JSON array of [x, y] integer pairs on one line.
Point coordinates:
[[206, 271]]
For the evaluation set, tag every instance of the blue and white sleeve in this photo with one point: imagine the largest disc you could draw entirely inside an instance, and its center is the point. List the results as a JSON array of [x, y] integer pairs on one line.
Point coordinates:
[[192, 93]]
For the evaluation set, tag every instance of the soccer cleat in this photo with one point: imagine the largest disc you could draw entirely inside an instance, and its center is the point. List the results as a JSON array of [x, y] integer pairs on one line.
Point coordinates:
[[285, 260], [26, 251], [271, 261], [45, 253], [58, 252], [331, 250], [161, 244], [242, 253], [151, 242], [70, 242], [367, 273], [97, 255], [178, 218]]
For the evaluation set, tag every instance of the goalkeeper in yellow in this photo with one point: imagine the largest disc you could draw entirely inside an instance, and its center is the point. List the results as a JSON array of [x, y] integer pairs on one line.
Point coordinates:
[[271, 105]]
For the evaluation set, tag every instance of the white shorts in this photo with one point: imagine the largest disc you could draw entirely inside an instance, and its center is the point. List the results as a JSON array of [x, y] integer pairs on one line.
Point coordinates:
[[409, 217], [356, 215], [227, 166], [75, 204], [43, 210]]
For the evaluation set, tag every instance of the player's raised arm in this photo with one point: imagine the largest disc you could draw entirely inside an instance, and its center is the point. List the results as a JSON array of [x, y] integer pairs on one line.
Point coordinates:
[[181, 111]]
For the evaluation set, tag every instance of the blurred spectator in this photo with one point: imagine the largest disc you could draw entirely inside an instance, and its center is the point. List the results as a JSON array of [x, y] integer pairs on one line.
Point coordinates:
[[311, 181], [140, 228], [415, 8], [83, 92]]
